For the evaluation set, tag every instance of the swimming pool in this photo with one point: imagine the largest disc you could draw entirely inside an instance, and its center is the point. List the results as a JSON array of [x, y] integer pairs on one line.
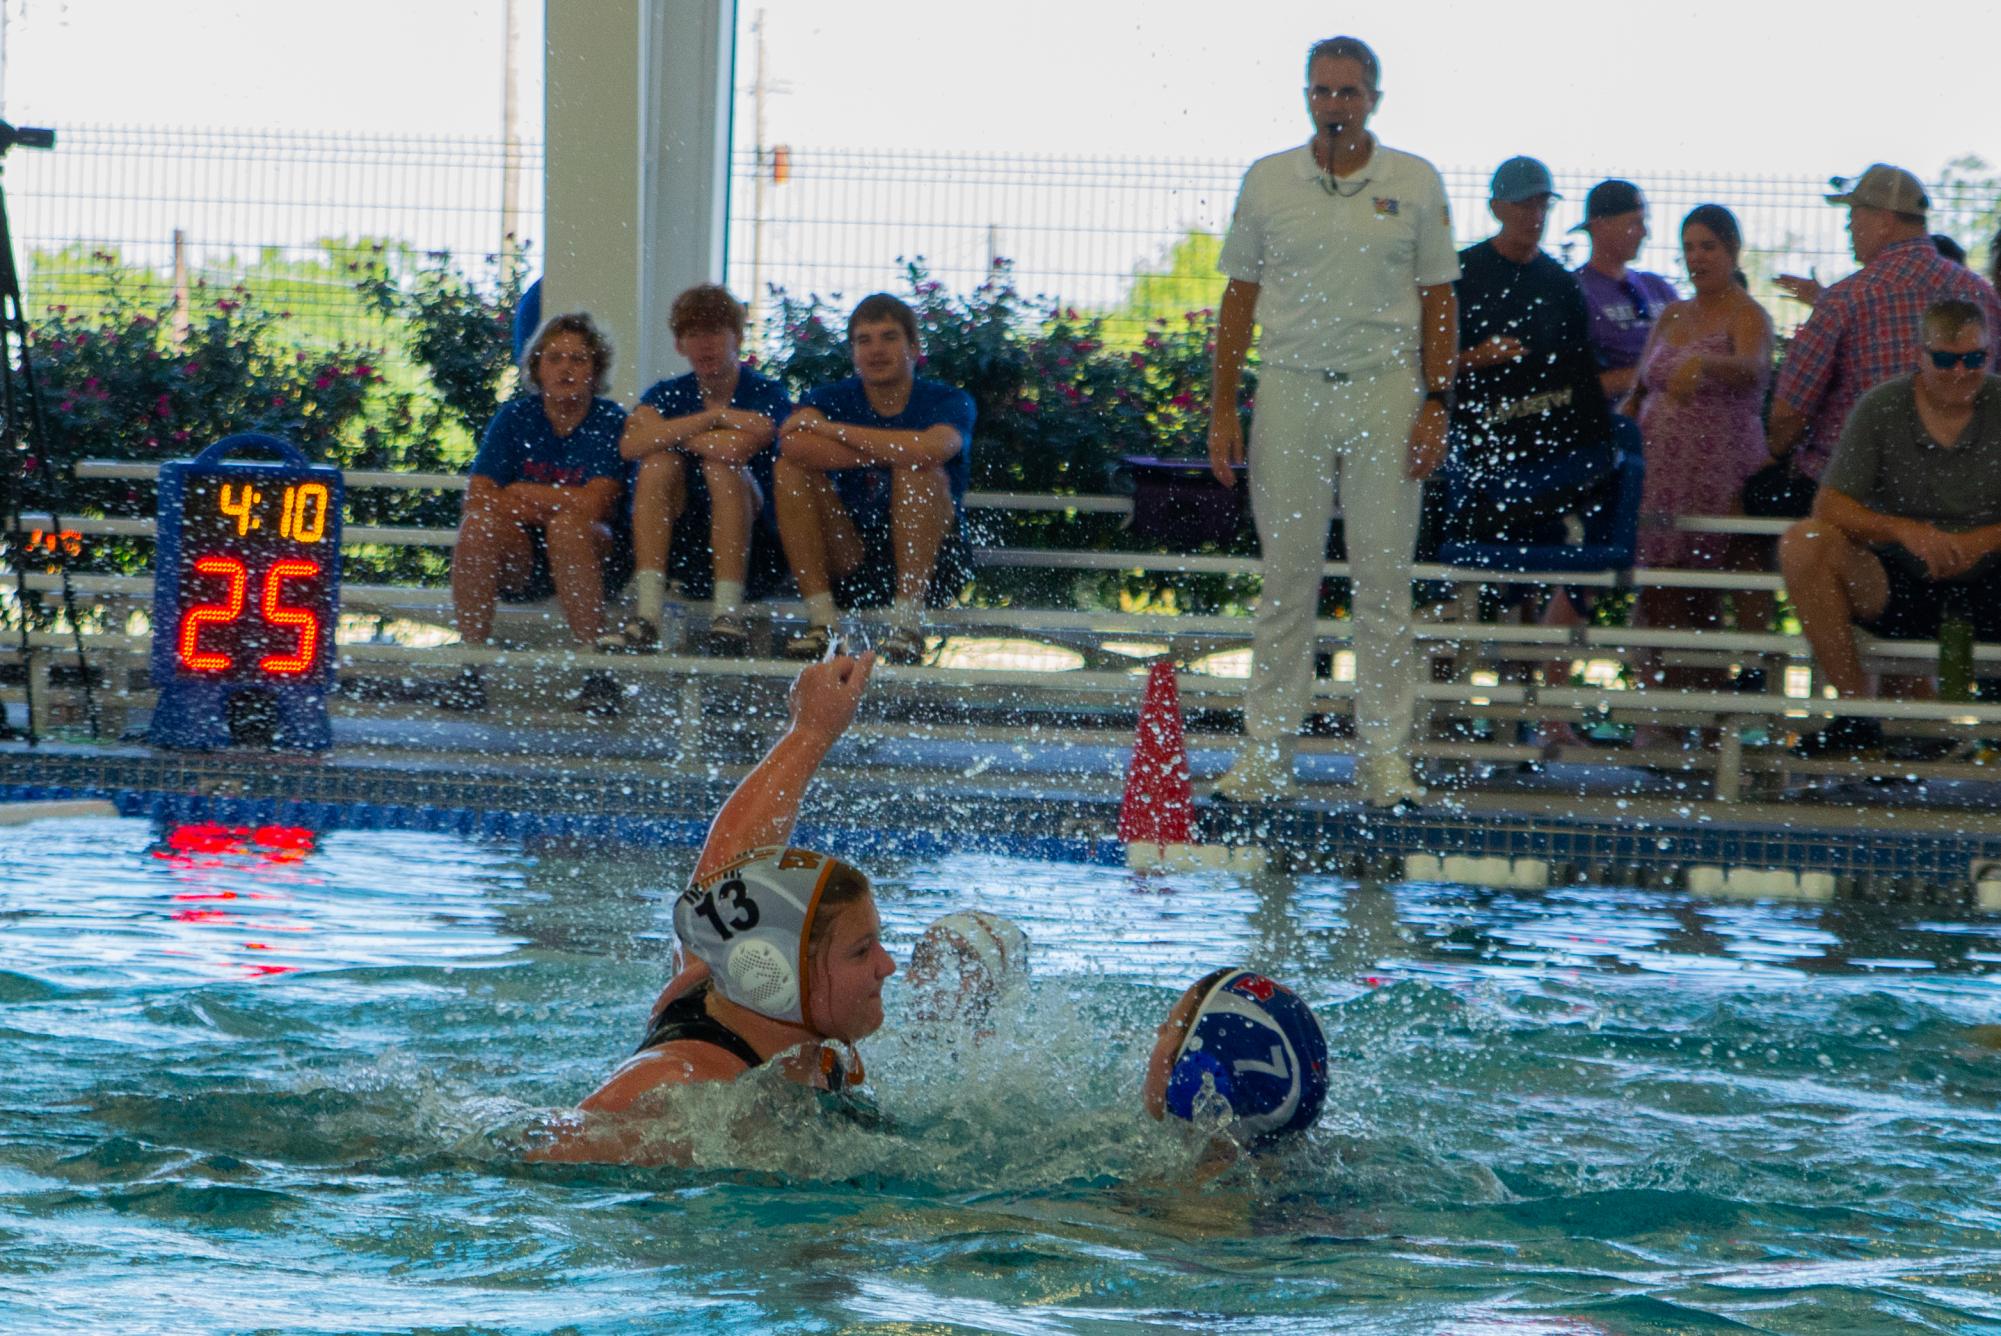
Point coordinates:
[[282, 1085]]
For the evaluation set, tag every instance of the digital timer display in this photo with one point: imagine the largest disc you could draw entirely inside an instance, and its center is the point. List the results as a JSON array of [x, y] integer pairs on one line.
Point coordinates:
[[246, 594], [252, 572]]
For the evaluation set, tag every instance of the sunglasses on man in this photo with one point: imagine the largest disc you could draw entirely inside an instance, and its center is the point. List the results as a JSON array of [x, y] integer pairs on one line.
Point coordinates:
[[1946, 361]]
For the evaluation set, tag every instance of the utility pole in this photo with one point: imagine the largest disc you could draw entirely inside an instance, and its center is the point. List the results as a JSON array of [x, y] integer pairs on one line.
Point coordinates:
[[510, 131]]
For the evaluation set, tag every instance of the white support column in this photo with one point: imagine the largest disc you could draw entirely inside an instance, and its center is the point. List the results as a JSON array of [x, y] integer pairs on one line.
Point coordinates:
[[688, 91], [636, 175]]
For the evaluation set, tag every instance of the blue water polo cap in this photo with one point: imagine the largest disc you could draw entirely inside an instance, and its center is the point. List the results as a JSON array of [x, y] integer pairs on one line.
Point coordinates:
[[1261, 1051]]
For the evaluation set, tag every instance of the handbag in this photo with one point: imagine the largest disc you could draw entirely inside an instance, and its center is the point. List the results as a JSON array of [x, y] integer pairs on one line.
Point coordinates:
[[1779, 491]]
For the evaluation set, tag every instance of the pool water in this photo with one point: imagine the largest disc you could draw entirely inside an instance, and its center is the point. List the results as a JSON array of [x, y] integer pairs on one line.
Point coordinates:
[[283, 1085]]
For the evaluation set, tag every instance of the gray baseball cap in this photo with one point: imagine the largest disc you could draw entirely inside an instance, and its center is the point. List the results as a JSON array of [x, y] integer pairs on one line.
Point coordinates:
[[1885, 187], [1521, 178]]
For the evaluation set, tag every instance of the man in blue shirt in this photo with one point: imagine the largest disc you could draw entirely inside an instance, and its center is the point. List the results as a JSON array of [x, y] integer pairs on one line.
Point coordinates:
[[871, 478], [548, 465], [723, 417]]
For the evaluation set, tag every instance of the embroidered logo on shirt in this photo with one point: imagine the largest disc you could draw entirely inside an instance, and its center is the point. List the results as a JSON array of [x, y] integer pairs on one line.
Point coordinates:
[[1385, 208]]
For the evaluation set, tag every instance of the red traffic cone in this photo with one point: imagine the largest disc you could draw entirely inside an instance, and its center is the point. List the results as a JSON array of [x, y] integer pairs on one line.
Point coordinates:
[[1159, 806]]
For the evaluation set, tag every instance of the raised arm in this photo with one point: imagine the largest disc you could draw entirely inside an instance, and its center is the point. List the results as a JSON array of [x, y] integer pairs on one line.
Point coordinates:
[[765, 806]]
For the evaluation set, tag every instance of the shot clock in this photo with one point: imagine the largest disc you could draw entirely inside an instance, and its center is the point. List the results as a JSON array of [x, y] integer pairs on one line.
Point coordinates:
[[246, 591]]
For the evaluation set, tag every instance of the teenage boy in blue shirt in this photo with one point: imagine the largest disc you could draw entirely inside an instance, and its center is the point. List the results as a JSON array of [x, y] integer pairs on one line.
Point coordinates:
[[722, 418], [871, 480]]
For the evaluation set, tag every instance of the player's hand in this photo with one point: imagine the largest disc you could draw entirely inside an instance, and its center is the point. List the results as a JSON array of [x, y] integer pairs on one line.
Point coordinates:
[[1427, 440], [825, 695], [1226, 445], [1806, 290]]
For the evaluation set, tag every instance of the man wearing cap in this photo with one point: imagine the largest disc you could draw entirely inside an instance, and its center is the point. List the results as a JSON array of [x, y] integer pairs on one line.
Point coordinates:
[[1342, 251], [1623, 302], [1530, 433], [1864, 329]]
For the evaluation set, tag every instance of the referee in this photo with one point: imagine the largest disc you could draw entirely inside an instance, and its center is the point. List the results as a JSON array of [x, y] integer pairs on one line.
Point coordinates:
[[1341, 250]]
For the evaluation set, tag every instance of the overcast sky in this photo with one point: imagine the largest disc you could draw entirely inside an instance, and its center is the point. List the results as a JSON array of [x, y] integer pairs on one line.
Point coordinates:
[[1776, 86]]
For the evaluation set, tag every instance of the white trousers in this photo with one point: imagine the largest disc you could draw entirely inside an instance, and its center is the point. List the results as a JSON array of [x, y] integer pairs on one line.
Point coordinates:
[[1312, 441]]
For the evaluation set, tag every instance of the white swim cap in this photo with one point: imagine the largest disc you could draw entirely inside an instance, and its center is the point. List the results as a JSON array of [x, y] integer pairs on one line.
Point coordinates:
[[997, 944], [751, 921]]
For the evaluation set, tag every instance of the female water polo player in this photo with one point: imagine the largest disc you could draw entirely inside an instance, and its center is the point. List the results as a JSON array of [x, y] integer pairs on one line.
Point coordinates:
[[963, 966], [1242, 1053], [788, 938]]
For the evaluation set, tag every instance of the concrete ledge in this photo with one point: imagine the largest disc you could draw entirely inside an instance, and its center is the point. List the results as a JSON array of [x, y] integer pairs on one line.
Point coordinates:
[[20, 814]]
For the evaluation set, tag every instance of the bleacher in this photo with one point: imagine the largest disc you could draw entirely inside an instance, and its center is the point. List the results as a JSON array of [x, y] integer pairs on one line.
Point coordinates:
[[1073, 675]]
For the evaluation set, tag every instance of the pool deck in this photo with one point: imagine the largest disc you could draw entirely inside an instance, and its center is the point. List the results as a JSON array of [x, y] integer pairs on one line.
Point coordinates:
[[918, 790]]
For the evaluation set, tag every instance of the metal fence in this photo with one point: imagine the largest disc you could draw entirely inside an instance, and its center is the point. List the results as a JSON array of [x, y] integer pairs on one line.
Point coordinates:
[[258, 206], [1076, 229]]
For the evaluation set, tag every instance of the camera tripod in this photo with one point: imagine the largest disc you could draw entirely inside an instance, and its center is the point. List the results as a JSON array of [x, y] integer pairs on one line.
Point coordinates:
[[25, 463]]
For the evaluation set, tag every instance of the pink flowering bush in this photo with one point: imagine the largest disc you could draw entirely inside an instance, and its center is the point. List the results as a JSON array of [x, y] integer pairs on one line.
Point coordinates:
[[120, 380]]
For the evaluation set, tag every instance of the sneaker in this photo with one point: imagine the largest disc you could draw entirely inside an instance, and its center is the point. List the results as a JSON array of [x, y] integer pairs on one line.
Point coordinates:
[[463, 693], [728, 637], [600, 696], [1262, 774], [810, 643], [1386, 781], [637, 636], [901, 645], [1845, 736]]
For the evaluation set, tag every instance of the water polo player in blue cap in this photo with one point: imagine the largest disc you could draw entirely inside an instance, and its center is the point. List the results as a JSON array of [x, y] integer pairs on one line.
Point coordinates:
[[1242, 1052], [785, 943]]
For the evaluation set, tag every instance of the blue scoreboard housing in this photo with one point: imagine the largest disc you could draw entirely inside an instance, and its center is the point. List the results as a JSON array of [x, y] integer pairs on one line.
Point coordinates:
[[246, 593]]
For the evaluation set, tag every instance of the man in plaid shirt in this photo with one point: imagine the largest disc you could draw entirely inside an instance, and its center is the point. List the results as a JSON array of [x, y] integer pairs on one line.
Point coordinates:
[[1864, 330]]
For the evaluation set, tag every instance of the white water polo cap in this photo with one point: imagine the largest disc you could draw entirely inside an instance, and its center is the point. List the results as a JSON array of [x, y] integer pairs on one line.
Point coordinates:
[[1261, 1051], [751, 921], [996, 945]]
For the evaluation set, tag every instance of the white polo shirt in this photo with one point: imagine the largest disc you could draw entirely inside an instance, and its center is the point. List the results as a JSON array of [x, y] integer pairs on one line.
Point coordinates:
[[1338, 273]]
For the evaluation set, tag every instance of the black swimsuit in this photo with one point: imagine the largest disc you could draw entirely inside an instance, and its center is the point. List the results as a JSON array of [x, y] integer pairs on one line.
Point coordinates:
[[687, 1018]]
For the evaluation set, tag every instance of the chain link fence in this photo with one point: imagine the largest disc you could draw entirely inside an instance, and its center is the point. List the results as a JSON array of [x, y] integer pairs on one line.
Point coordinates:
[[278, 212]]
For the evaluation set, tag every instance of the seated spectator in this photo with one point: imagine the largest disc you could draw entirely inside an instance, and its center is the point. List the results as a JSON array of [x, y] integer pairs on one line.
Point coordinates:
[[723, 417], [871, 478], [1530, 432], [1908, 514], [1623, 302], [1864, 329], [1700, 404], [545, 485]]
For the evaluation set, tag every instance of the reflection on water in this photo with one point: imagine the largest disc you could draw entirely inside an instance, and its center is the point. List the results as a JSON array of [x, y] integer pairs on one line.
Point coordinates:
[[1584, 1109]]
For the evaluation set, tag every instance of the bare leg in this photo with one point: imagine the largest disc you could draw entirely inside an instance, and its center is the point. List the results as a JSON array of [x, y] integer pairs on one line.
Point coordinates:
[[732, 503], [659, 495], [1834, 583], [576, 561], [493, 553], [920, 514], [819, 536]]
